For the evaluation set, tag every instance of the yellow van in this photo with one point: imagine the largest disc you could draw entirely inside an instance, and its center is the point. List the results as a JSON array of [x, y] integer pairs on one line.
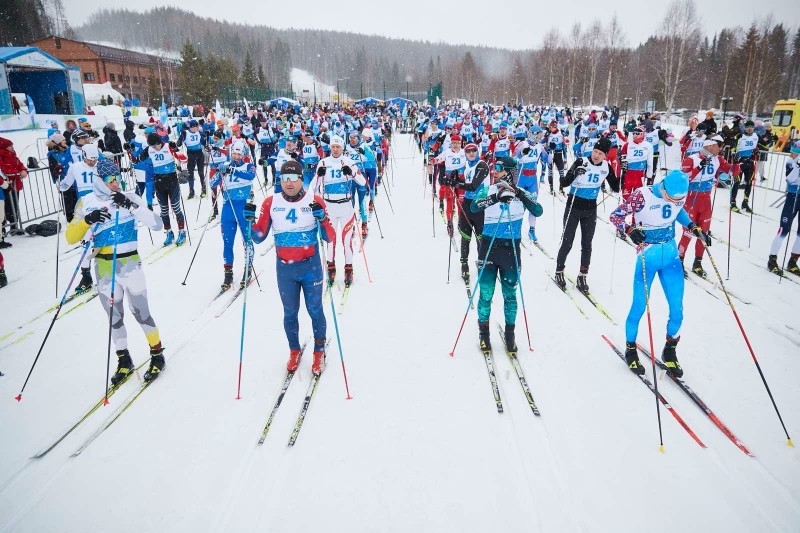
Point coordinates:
[[786, 122]]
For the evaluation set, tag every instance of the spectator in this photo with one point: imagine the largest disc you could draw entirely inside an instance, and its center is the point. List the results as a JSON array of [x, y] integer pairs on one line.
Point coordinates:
[[710, 123], [14, 171], [69, 128], [15, 104], [765, 143], [111, 139]]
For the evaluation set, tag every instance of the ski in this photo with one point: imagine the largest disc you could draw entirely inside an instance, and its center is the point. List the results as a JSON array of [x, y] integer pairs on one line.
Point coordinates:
[[111, 391], [286, 382], [541, 249], [328, 290], [345, 294], [520, 374], [172, 248], [716, 285], [594, 302], [312, 387], [238, 293], [17, 341], [487, 357], [112, 418], [77, 305], [68, 299], [700, 403], [660, 397], [697, 284], [270, 247], [568, 293]]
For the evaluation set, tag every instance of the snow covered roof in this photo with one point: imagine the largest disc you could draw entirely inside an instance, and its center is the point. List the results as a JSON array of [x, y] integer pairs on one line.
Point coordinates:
[[128, 56], [29, 56]]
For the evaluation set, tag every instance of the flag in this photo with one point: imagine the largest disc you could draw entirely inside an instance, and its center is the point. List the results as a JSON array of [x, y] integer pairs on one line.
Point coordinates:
[[219, 108], [246, 106], [31, 110], [163, 115]]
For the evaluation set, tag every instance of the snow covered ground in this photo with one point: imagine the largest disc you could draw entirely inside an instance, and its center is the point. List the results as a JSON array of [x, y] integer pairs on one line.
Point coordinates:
[[305, 84], [420, 447]]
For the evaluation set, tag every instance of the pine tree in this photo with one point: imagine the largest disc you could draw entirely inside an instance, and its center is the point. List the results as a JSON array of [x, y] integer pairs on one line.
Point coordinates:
[[262, 78], [192, 78], [248, 76]]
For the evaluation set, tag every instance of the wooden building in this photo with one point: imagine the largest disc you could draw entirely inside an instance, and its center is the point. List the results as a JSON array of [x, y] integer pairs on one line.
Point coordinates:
[[129, 72]]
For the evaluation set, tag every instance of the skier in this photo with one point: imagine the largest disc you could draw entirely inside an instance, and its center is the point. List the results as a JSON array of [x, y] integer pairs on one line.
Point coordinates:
[[745, 158], [236, 182], [217, 162], [476, 175], [454, 161], [585, 179], [288, 151], [657, 208], [80, 176], [333, 183], [791, 209], [364, 158], [3, 187], [557, 150], [528, 154], [503, 206], [195, 141], [100, 208], [704, 170], [297, 216], [310, 154], [636, 162], [267, 137], [168, 191]]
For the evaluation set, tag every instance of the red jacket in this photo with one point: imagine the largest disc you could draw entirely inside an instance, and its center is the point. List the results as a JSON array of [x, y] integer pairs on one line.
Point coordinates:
[[10, 164]]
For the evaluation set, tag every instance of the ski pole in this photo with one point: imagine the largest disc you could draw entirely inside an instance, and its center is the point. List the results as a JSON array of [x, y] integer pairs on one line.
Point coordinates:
[[652, 351], [753, 195], [477, 282], [449, 258], [730, 217], [336, 327], [18, 397], [58, 247], [247, 268], [750, 349], [433, 204], [363, 251], [519, 277], [388, 196], [185, 217], [613, 262], [377, 219], [111, 305], [788, 233], [195, 254]]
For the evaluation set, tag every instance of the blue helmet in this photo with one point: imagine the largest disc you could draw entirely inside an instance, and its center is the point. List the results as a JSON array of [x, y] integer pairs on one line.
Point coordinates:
[[676, 184], [535, 129], [504, 124]]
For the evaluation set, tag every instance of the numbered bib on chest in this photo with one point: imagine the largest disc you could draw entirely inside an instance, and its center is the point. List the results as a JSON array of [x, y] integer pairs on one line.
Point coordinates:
[[292, 222], [657, 212]]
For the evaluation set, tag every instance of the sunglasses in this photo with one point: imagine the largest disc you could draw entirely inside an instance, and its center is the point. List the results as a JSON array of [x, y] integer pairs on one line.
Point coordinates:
[[498, 167], [471, 151], [110, 179], [291, 177]]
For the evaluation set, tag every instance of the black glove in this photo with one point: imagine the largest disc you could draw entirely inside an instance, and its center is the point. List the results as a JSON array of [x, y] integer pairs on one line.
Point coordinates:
[[321, 171], [700, 234], [127, 146], [526, 150], [98, 215], [623, 164], [704, 163], [121, 200], [347, 171], [580, 171], [636, 235], [360, 150], [505, 192], [250, 211], [173, 145], [260, 161], [295, 156]]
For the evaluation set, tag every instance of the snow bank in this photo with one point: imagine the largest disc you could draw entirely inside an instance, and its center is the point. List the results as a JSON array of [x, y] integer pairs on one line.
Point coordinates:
[[95, 91]]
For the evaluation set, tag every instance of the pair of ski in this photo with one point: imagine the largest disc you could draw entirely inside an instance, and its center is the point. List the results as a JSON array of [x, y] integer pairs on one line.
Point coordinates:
[[80, 297], [287, 380], [236, 294], [112, 418], [689, 392], [329, 294], [537, 245], [694, 279], [171, 248], [488, 358], [602, 310]]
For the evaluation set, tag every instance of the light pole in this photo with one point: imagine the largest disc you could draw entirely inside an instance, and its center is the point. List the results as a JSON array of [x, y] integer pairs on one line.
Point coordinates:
[[627, 102], [338, 94], [725, 100]]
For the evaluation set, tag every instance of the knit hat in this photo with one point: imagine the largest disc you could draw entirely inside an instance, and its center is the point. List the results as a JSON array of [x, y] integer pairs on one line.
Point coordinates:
[[604, 145], [292, 167], [56, 138]]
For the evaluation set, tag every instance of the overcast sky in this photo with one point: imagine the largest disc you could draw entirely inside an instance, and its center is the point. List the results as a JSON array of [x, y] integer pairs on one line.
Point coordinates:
[[501, 23]]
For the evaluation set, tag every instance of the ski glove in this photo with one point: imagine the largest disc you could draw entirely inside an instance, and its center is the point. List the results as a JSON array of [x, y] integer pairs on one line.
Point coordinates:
[[700, 234], [321, 171], [636, 235], [360, 150], [121, 200], [347, 171], [317, 210], [250, 211], [526, 150], [98, 215]]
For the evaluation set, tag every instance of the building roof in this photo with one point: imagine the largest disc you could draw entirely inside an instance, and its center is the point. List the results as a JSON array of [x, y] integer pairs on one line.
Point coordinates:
[[127, 56], [29, 56]]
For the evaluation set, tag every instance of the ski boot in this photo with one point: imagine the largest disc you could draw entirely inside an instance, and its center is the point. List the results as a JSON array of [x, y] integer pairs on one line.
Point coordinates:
[[228, 280], [483, 337], [632, 359], [450, 228], [331, 272], [245, 276], [772, 265], [170, 238], [552, 191], [348, 275], [86, 281], [791, 266], [191, 194], [4, 243], [511, 343], [181, 238], [670, 359], [364, 230], [214, 212], [532, 235], [734, 208], [465, 270], [441, 207], [746, 206], [124, 368], [581, 283], [294, 360], [697, 267], [560, 281], [203, 192], [318, 365], [621, 235], [371, 206], [3, 278], [157, 363]]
